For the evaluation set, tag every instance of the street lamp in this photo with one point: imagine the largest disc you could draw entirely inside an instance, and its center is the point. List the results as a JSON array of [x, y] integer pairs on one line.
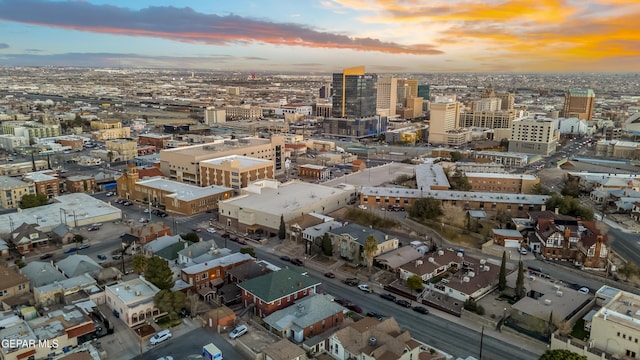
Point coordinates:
[[140, 342]]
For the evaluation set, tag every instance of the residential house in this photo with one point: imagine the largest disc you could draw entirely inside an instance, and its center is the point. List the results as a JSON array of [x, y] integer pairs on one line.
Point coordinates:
[[200, 252], [166, 247], [277, 290], [27, 237], [308, 317], [311, 233], [149, 232], [560, 237], [12, 284], [284, 350], [469, 278], [133, 301], [206, 276], [395, 259], [230, 293], [371, 338], [349, 241], [59, 292], [76, 264], [62, 233], [41, 273], [430, 265]]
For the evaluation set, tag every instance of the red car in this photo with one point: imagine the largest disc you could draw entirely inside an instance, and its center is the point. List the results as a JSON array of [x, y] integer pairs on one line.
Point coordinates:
[[197, 230], [330, 275]]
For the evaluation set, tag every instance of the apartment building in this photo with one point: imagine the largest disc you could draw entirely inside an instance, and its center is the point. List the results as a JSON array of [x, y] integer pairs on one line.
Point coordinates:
[[503, 183], [157, 140], [174, 196], [243, 112], [214, 116], [45, 181], [494, 119], [12, 143], [109, 134], [211, 274], [133, 301], [534, 136], [30, 129], [183, 164], [235, 171], [12, 190], [126, 149], [80, 183], [502, 158], [104, 125]]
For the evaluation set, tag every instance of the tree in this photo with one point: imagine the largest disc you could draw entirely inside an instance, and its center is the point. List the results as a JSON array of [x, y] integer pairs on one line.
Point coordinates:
[[370, 248], [33, 200], [282, 231], [459, 181], [520, 281], [539, 189], [426, 208], [248, 250], [158, 273], [569, 205], [561, 355], [502, 276], [628, 270], [191, 237], [170, 302], [456, 156], [327, 246], [414, 282], [504, 143], [571, 187], [139, 263]]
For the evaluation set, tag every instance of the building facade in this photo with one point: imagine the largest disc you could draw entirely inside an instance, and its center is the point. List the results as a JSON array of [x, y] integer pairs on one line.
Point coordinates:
[[354, 93], [578, 103], [355, 127], [534, 136], [12, 190], [235, 171], [445, 117], [133, 301], [127, 149]]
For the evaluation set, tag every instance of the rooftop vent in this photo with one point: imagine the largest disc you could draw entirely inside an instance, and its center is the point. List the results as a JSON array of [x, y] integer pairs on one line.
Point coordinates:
[[373, 341]]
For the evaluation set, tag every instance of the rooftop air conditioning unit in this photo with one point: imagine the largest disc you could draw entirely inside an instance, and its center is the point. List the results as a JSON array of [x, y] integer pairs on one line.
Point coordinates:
[[547, 302], [440, 252], [465, 279], [559, 293]]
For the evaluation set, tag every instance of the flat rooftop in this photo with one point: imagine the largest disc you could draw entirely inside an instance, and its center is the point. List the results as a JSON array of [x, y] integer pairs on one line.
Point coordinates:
[[428, 175], [529, 177], [287, 197], [624, 309], [70, 208], [245, 161], [216, 146], [7, 182], [182, 191], [524, 199], [132, 290]]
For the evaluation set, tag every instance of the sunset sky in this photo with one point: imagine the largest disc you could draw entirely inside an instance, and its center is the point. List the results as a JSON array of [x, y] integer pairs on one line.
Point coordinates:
[[326, 35]]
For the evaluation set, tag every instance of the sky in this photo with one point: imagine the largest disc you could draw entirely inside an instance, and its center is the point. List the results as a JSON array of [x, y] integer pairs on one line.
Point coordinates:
[[386, 36]]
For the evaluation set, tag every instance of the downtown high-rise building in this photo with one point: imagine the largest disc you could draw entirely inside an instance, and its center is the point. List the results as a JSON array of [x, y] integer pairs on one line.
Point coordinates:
[[387, 96], [578, 103], [354, 93]]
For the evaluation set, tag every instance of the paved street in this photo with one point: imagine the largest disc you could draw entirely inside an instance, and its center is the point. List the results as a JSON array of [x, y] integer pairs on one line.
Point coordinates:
[[189, 346]]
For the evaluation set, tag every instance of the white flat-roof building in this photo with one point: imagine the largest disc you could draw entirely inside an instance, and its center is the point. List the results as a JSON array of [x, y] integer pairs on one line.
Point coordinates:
[[262, 203], [431, 177], [133, 301]]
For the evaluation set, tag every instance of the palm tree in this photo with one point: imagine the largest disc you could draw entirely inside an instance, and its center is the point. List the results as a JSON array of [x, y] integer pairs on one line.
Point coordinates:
[[110, 155], [370, 248]]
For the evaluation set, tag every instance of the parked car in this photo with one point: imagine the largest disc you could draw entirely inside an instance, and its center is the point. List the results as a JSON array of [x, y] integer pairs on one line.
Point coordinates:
[[404, 303], [211, 230], [110, 193], [241, 241], [365, 288], [160, 337], [46, 256], [354, 308], [375, 315], [388, 296], [83, 246], [144, 221], [330, 275], [421, 309], [343, 302], [238, 331], [225, 235], [163, 214], [116, 257], [70, 250], [197, 230], [297, 262], [362, 207], [285, 258], [351, 281], [583, 290], [93, 228], [168, 357], [102, 257], [127, 203]]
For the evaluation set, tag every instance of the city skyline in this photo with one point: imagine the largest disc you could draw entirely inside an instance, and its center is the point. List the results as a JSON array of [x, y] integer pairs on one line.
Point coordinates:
[[325, 36]]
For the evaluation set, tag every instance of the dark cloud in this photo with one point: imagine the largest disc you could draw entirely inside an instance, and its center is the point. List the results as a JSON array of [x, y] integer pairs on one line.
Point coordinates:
[[255, 58], [4, 46], [187, 25], [33, 50]]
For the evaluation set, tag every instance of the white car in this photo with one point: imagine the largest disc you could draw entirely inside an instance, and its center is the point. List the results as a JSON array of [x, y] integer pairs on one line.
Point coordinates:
[[363, 207], [160, 337], [168, 357], [238, 331], [523, 251], [365, 288], [211, 230]]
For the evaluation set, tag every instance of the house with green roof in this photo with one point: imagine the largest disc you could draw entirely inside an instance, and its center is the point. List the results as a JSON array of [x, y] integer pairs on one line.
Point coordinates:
[[277, 290]]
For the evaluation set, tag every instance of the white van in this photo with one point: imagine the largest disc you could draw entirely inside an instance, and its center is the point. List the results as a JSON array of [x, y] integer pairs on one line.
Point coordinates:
[[238, 331], [160, 337]]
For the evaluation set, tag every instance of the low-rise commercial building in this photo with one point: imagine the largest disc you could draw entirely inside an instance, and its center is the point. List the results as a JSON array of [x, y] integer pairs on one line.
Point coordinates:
[[18, 169], [127, 149], [503, 183], [133, 301], [80, 183], [109, 134], [157, 140]]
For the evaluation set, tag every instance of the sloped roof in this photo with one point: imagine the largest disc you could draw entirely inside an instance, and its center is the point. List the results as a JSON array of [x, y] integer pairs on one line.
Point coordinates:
[[76, 264], [391, 341], [283, 350], [41, 273], [360, 233], [399, 256], [278, 284]]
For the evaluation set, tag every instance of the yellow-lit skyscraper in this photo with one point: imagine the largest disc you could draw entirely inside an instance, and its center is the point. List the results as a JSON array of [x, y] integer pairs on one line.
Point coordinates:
[[354, 93]]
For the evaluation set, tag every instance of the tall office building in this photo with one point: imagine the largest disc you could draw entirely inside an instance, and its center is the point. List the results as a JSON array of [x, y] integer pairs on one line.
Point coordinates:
[[534, 136], [423, 91], [444, 119], [578, 103], [387, 96], [354, 93]]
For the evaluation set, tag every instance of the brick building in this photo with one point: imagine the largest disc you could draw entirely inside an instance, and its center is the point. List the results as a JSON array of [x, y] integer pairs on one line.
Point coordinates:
[[80, 183], [156, 140], [277, 290], [45, 181]]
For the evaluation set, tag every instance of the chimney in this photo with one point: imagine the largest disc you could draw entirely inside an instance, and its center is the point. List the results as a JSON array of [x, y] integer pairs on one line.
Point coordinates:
[[557, 211], [567, 232], [186, 244]]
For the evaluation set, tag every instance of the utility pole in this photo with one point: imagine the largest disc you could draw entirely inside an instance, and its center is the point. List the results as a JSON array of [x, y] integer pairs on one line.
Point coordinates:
[[481, 340]]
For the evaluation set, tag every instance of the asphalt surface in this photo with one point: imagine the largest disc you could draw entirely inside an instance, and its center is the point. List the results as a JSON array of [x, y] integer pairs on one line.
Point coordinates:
[[189, 346]]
